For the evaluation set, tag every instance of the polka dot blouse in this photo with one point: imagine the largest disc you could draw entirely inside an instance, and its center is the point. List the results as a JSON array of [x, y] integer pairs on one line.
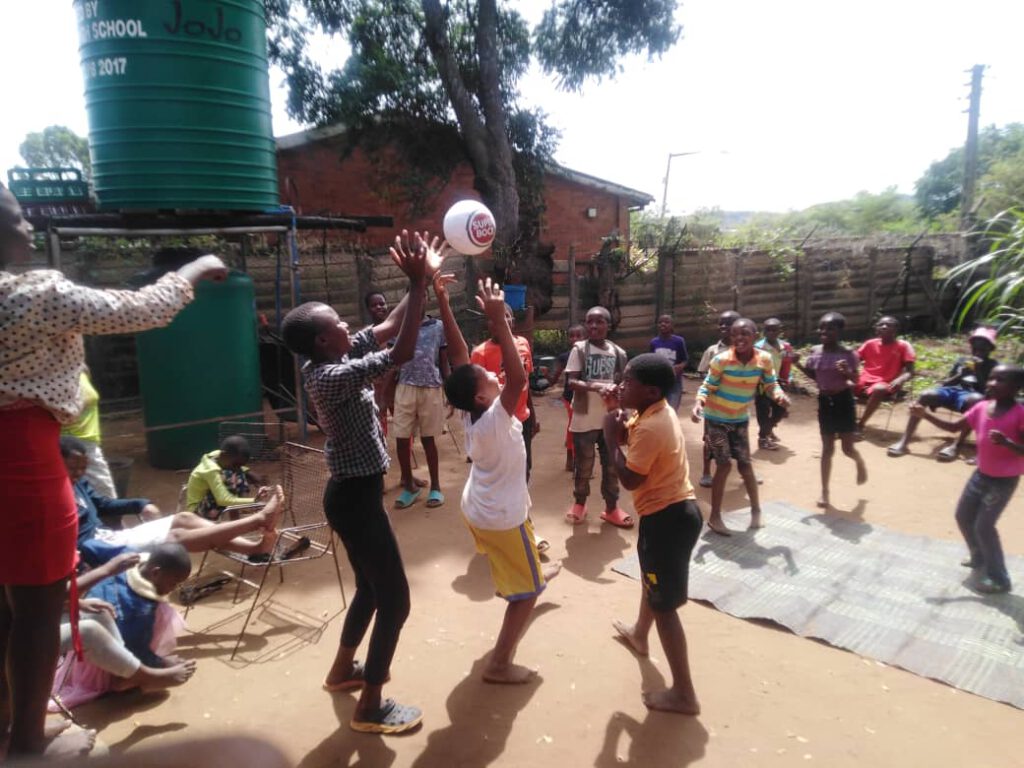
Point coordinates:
[[43, 317]]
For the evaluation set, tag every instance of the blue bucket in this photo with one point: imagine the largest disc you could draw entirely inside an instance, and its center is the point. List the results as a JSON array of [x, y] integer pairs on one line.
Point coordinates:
[[515, 296]]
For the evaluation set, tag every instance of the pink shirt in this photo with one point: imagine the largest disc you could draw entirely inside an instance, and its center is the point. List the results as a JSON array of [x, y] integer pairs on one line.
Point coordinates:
[[997, 460]]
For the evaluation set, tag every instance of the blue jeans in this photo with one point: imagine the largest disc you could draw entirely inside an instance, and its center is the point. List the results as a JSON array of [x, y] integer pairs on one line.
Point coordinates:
[[977, 512]]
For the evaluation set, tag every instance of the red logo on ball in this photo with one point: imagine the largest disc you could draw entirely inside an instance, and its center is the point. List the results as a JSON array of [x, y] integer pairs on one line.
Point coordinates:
[[480, 229]]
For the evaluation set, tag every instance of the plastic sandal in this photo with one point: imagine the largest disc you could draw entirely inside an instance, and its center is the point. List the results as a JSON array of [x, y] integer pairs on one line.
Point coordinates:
[[407, 498], [435, 499], [618, 517], [392, 717], [577, 514]]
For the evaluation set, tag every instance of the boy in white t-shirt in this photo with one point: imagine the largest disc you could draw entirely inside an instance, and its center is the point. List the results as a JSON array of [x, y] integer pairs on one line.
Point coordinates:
[[495, 499]]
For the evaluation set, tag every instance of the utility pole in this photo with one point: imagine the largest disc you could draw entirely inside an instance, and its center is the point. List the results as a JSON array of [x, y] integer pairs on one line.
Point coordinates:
[[971, 151]]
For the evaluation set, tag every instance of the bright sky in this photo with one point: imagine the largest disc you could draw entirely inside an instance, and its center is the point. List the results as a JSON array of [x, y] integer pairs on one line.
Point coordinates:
[[787, 103]]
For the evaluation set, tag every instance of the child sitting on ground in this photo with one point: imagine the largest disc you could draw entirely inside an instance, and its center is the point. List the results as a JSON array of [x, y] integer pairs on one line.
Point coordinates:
[[958, 392], [725, 321], [109, 666], [768, 413], [595, 366], [221, 480], [655, 469], [998, 423], [147, 623], [734, 376], [888, 365], [833, 368], [495, 499], [576, 334]]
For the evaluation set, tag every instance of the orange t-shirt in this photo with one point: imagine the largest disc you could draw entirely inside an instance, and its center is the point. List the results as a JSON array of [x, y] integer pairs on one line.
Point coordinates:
[[488, 357]]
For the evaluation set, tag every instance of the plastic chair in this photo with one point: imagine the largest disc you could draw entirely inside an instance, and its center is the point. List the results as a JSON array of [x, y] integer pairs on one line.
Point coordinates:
[[304, 533]]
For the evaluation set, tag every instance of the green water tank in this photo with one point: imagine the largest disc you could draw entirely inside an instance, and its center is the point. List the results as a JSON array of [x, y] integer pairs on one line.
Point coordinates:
[[204, 365], [178, 98]]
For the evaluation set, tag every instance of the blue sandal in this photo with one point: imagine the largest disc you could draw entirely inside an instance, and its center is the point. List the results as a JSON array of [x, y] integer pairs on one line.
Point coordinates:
[[435, 499], [392, 717], [407, 498]]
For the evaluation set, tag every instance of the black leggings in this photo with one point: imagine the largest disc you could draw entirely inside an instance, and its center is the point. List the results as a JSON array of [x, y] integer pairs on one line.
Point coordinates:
[[355, 510]]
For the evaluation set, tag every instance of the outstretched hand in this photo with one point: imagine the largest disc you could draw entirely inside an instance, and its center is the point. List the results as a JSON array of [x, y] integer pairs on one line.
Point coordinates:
[[441, 282], [208, 267], [420, 258], [491, 300]]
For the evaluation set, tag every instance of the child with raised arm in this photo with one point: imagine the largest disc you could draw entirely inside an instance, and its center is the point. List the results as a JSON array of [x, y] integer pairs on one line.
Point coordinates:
[[998, 423], [734, 376], [656, 471], [833, 368], [495, 499], [339, 381]]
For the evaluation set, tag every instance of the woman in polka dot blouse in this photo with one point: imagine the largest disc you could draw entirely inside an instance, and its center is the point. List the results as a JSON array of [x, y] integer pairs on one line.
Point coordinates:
[[43, 317]]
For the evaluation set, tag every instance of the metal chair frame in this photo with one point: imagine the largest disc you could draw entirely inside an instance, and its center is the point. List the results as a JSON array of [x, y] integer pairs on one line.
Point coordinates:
[[306, 521]]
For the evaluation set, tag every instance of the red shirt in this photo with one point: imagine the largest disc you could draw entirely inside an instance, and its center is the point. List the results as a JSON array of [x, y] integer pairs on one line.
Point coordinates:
[[883, 362], [488, 357]]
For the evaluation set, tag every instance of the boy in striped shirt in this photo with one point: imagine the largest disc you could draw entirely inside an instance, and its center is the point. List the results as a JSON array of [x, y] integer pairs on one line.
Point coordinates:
[[722, 401]]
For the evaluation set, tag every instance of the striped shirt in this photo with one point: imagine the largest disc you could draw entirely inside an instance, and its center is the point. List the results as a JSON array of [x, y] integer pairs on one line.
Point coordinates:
[[730, 386]]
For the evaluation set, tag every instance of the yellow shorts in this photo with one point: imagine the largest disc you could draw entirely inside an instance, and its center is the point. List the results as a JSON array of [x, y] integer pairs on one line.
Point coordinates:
[[421, 407], [513, 558]]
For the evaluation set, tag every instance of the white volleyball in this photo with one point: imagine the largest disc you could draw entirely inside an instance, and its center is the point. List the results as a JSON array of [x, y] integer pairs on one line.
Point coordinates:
[[469, 227]]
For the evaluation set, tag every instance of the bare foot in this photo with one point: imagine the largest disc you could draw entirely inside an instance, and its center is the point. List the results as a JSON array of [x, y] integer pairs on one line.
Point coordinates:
[[862, 472], [552, 570], [628, 635], [157, 678], [272, 510], [716, 524], [74, 741], [669, 700], [509, 674], [418, 482], [822, 502], [755, 521], [267, 543], [54, 727]]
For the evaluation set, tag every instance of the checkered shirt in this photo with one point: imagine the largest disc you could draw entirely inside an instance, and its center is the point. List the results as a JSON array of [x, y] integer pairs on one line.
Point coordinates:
[[342, 394]]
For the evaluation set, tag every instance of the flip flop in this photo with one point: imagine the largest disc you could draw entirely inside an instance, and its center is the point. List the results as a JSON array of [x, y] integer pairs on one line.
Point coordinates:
[[618, 518], [392, 717], [435, 499], [407, 498], [297, 548], [896, 451], [189, 595], [949, 453]]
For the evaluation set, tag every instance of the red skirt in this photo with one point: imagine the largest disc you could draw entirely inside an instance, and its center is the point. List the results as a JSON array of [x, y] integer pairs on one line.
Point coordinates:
[[38, 515]]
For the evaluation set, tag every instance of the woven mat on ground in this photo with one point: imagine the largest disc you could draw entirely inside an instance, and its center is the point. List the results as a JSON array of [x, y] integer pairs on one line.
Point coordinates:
[[885, 595]]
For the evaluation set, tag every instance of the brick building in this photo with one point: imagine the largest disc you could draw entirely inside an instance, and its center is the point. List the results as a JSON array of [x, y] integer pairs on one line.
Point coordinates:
[[315, 178]]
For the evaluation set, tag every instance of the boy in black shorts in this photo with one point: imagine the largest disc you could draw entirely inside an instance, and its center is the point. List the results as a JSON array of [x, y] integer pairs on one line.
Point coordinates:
[[656, 471]]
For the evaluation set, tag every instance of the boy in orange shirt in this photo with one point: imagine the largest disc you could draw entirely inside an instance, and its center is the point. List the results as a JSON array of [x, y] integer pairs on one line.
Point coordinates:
[[655, 469]]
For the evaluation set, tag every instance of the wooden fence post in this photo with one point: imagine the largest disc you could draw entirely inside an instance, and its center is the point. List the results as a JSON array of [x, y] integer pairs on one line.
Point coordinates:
[[872, 267]]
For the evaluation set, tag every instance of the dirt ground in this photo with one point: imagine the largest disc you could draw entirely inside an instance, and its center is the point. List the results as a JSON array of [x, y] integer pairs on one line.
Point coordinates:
[[769, 697]]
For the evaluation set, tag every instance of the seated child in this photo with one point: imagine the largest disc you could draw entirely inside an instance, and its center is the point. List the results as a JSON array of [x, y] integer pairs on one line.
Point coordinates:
[[221, 480], [888, 364], [110, 665], [185, 528], [998, 423], [656, 471], [958, 392], [495, 499]]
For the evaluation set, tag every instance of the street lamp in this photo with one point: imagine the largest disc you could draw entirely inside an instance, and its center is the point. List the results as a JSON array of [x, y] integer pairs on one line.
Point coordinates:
[[668, 170]]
